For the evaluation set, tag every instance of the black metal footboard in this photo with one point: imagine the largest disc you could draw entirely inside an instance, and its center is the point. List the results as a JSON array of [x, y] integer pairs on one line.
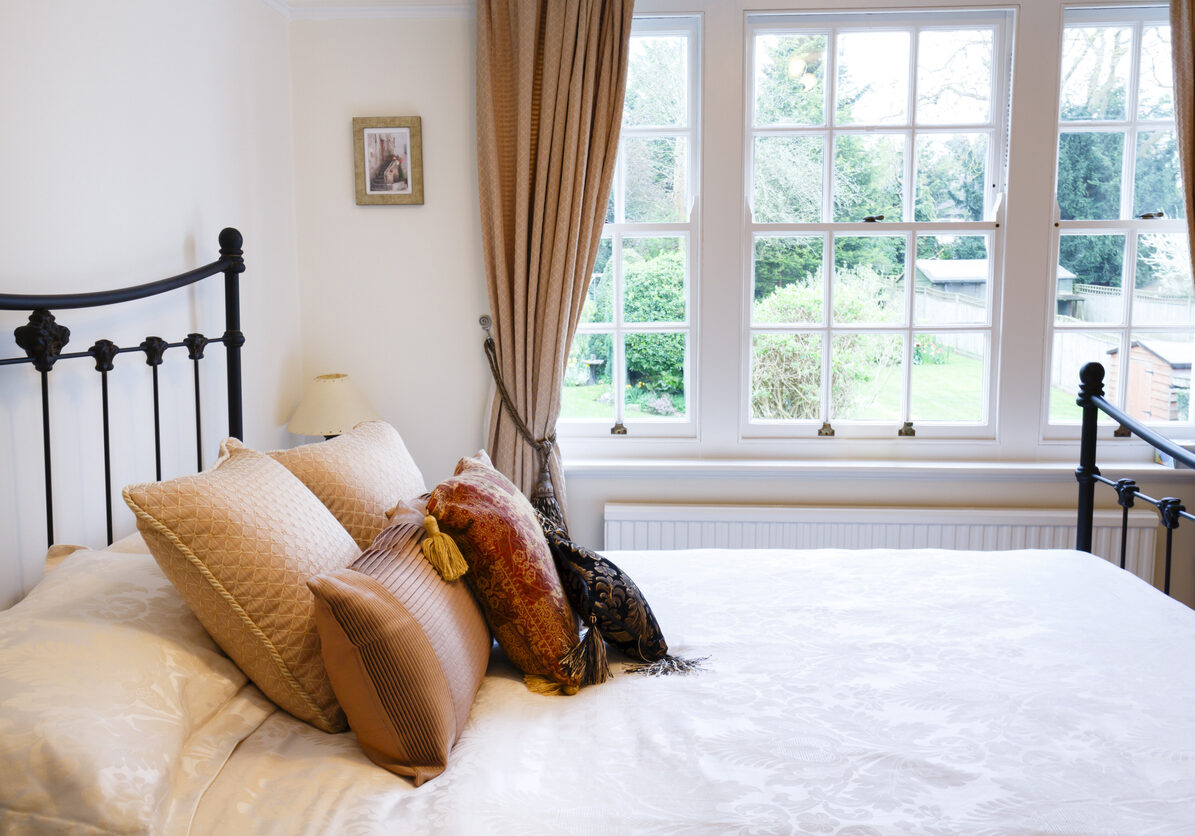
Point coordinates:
[[1170, 509], [43, 339]]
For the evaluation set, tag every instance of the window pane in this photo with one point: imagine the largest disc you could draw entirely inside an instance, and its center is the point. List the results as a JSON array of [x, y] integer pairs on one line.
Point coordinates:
[[873, 78], [954, 76], [790, 86], [866, 376], [657, 80], [869, 172], [653, 279], [1156, 97], [598, 299], [1072, 351], [1089, 166], [656, 174], [1159, 381], [947, 378], [869, 273], [788, 279], [951, 177], [1158, 182], [787, 181], [1164, 291], [786, 377], [655, 387], [588, 392], [1095, 71], [1090, 270], [951, 279]]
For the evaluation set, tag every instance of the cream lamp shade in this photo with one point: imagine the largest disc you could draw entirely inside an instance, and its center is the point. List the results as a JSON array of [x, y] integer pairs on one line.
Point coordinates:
[[332, 405]]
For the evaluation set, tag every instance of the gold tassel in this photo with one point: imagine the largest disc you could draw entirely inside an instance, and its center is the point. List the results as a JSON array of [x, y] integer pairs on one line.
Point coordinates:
[[548, 687], [441, 551], [587, 661]]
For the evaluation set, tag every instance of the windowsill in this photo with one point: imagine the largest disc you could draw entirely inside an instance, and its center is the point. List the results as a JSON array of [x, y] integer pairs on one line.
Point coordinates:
[[858, 469]]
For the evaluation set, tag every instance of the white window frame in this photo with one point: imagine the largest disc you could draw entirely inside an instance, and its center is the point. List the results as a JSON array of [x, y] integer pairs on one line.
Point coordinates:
[[688, 25], [1136, 17], [991, 227]]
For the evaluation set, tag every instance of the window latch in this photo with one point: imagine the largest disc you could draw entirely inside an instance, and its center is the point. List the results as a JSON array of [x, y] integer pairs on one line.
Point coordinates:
[[870, 219], [907, 430], [826, 430], [618, 429], [1149, 216]]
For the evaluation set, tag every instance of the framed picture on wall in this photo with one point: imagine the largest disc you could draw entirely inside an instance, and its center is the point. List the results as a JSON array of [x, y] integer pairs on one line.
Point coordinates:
[[388, 155]]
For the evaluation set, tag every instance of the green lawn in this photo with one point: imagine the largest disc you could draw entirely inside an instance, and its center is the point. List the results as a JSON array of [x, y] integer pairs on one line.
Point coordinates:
[[951, 391]]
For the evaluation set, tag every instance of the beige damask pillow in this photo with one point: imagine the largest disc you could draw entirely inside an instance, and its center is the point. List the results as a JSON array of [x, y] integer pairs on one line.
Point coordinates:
[[359, 475], [239, 542]]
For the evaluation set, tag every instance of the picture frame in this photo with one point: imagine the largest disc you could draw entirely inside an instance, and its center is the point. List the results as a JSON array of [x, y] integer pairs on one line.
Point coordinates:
[[388, 160]]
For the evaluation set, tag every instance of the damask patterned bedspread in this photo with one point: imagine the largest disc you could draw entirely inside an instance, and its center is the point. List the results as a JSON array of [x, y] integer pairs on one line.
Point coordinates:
[[847, 692]]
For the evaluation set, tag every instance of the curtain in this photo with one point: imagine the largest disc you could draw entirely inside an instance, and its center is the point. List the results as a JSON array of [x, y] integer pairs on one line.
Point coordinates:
[[1182, 39], [551, 75]]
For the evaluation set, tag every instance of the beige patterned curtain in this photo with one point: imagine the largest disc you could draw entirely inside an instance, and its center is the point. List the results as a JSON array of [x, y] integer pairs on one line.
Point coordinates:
[[551, 75], [1182, 39]]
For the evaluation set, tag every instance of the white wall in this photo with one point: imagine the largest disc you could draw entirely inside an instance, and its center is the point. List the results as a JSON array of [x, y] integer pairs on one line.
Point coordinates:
[[391, 294], [133, 131]]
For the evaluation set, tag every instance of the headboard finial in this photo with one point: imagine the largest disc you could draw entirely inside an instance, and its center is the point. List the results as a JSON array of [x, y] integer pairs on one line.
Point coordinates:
[[230, 245]]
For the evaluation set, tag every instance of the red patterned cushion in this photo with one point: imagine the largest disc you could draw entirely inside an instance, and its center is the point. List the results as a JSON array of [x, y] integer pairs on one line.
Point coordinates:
[[510, 567]]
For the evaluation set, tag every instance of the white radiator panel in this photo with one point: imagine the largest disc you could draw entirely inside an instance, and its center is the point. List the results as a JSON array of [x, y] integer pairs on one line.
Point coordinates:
[[646, 526]]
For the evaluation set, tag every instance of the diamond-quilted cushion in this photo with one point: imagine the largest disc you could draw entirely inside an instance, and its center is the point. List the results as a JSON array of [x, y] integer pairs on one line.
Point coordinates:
[[359, 475], [239, 542]]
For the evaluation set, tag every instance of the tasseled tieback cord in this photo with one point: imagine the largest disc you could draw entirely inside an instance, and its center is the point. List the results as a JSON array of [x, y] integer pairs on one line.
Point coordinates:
[[543, 497]]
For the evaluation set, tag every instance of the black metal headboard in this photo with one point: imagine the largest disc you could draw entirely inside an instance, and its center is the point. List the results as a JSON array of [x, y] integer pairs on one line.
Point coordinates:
[[43, 340]]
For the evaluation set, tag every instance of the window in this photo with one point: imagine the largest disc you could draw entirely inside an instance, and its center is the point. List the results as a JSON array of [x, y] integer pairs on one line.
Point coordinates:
[[1123, 292], [631, 362], [876, 146], [903, 227]]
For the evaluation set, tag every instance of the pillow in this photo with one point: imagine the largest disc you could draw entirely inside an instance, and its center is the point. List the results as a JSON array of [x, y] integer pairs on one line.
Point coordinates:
[[510, 570], [597, 588], [406, 652], [239, 541], [117, 709], [359, 475]]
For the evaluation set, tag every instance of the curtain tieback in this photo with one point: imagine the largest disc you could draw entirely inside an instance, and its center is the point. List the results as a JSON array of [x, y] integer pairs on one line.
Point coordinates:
[[543, 497]]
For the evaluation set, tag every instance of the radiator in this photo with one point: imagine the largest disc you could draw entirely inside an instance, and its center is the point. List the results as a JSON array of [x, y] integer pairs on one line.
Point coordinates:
[[646, 526]]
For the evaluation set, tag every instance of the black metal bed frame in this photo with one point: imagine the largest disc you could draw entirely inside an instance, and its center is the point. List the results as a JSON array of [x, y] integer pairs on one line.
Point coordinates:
[[1170, 509], [43, 339]]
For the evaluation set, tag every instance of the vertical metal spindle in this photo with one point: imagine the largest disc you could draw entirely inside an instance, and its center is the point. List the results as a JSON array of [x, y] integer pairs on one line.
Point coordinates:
[[1124, 535], [154, 348], [42, 340], [104, 351], [45, 431], [1169, 545], [195, 344]]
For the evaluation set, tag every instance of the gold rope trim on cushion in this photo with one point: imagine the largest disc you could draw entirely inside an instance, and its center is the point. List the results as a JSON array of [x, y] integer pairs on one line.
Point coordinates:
[[231, 600]]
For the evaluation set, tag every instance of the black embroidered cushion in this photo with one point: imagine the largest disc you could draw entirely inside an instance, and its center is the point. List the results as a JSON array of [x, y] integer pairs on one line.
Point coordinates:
[[596, 587]]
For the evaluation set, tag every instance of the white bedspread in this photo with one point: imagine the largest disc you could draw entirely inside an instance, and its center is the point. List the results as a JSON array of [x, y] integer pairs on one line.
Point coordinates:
[[848, 692]]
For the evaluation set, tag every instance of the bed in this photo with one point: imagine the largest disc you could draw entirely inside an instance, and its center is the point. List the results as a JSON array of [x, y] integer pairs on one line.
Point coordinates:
[[852, 692]]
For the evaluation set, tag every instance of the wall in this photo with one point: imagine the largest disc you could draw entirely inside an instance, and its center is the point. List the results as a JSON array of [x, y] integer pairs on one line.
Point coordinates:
[[133, 132], [391, 294]]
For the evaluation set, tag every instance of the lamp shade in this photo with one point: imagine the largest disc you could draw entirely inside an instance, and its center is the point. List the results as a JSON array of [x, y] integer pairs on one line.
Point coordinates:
[[332, 405]]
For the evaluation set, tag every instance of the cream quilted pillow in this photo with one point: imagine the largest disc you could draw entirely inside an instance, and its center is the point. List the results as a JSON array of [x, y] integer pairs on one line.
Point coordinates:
[[239, 542], [359, 475]]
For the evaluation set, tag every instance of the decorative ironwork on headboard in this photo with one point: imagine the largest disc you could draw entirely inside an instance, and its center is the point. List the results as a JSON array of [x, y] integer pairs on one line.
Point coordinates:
[[43, 339]]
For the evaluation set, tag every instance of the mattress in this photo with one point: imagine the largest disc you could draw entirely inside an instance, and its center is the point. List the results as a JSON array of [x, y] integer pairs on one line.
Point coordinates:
[[852, 692], [845, 692]]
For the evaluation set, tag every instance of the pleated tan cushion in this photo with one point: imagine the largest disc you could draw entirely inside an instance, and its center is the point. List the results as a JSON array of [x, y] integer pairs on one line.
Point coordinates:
[[359, 475], [406, 652], [239, 542]]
